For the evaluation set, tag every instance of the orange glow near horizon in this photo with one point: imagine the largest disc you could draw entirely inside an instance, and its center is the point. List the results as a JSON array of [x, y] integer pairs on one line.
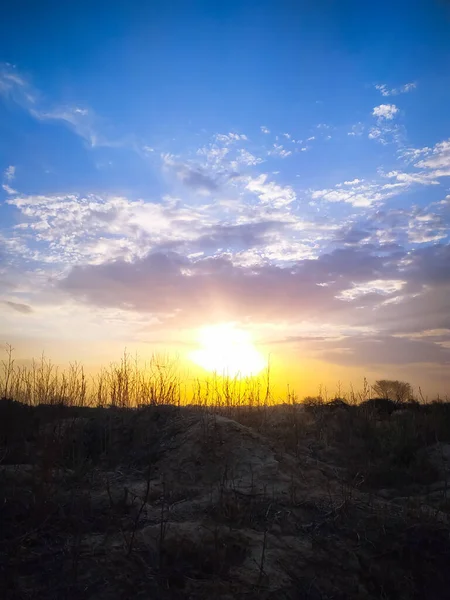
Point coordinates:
[[226, 350]]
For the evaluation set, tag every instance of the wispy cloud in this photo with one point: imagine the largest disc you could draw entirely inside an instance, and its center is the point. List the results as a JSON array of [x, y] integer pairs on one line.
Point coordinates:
[[358, 193], [279, 150], [229, 138], [434, 162], [14, 85], [81, 120], [8, 176], [357, 129], [437, 159], [247, 158], [10, 173], [403, 89]]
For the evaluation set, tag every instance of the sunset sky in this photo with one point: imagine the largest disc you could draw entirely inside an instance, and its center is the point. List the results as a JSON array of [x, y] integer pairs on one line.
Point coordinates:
[[283, 166]]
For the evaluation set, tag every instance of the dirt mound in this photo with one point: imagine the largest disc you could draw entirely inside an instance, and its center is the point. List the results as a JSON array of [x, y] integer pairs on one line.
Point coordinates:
[[179, 503]]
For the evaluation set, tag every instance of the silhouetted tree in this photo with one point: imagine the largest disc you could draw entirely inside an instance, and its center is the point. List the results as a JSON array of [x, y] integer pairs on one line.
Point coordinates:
[[398, 391]]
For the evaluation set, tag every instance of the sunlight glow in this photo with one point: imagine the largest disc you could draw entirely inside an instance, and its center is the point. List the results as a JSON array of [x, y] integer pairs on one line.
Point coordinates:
[[227, 351]]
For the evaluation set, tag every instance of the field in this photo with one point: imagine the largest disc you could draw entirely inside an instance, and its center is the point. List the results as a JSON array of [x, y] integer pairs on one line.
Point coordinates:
[[232, 496]]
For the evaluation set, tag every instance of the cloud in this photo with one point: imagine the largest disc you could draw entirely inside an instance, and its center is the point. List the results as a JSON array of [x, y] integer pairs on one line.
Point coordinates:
[[10, 173], [71, 229], [354, 287], [358, 193], [382, 350], [196, 287], [264, 129], [19, 307], [279, 150], [269, 192], [191, 175], [385, 111], [438, 159], [8, 189], [421, 178], [385, 131], [246, 158], [183, 265], [13, 84], [229, 138], [357, 129], [385, 287], [81, 120], [404, 89], [434, 162], [213, 154], [416, 225], [8, 176], [409, 155], [237, 237]]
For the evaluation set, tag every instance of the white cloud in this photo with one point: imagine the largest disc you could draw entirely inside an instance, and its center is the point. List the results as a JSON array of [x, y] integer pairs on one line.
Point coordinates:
[[279, 150], [264, 129], [385, 111], [14, 78], [12, 84], [310, 139], [438, 160], [409, 155], [10, 173], [434, 161], [8, 176], [213, 154], [269, 192], [331, 195], [81, 120], [421, 178], [404, 89], [357, 129], [229, 138], [359, 193], [8, 189], [91, 229], [247, 158], [384, 287], [386, 133]]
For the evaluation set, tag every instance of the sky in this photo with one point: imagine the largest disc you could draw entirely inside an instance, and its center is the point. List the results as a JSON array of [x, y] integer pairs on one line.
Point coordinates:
[[283, 166]]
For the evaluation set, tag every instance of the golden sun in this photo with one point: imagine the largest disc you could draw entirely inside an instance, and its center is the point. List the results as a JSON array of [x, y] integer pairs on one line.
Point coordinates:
[[227, 351]]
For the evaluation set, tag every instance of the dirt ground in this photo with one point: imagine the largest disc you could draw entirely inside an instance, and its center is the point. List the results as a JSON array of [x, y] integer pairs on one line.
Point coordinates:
[[283, 502]]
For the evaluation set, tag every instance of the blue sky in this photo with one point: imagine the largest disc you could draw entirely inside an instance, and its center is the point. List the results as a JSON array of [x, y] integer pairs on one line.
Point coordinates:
[[282, 165]]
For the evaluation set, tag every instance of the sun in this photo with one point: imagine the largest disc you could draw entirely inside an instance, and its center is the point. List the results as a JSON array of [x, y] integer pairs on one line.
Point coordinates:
[[228, 351]]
